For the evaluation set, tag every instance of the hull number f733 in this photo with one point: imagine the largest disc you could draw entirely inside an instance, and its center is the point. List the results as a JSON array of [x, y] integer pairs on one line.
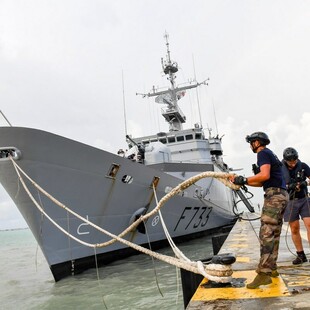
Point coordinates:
[[194, 217]]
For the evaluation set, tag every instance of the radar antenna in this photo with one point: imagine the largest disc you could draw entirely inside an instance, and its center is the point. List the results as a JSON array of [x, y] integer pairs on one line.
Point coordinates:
[[173, 114]]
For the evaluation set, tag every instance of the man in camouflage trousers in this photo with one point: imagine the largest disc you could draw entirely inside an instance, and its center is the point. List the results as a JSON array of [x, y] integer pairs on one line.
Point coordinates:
[[269, 176], [271, 224]]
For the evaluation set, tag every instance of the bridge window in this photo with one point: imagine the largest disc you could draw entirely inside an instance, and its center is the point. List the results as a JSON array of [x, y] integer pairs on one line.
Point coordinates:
[[180, 138], [171, 139], [189, 137]]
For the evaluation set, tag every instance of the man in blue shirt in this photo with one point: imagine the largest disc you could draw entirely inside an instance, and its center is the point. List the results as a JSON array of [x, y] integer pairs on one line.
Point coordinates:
[[268, 175], [297, 176]]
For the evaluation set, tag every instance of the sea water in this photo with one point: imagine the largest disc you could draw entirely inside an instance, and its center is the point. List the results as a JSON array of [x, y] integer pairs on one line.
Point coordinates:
[[137, 282]]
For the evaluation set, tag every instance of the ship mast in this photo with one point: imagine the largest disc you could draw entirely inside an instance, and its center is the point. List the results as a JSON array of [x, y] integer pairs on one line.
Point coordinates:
[[172, 113]]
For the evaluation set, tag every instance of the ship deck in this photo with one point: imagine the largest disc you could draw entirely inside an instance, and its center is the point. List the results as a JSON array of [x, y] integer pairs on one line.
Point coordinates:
[[291, 290]]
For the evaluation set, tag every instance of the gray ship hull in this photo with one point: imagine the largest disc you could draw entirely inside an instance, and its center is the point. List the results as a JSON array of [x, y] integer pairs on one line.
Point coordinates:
[[80, 177]]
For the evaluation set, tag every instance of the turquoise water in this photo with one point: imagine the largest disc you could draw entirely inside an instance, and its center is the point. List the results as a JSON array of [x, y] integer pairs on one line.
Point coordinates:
[[27, 283]]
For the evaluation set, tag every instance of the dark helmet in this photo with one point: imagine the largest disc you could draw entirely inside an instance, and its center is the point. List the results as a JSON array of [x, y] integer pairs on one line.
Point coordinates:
[[290, 154], [260, 136]]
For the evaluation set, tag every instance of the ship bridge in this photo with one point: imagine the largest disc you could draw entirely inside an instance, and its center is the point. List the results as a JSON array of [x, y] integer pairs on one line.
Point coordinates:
[[189, 145]]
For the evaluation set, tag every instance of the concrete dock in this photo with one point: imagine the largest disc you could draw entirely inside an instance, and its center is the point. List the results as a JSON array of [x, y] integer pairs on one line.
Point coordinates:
[[291, 290]]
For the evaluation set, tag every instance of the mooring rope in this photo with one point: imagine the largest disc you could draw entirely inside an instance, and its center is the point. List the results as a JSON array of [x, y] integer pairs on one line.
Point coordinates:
[[178, 253], [213, 272], [221, 176]]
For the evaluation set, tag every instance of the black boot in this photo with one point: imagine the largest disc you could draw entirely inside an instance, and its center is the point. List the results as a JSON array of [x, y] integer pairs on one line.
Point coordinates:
[[301, 258]]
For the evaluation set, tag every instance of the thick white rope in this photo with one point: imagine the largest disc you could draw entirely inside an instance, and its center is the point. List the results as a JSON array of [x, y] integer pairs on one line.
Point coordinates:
[[221, 176], [222, 275], [182, 257], [178, 253]]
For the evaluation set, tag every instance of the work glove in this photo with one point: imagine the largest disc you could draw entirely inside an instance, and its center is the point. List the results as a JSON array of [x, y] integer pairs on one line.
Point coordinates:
[[291, 186], [240, 180]]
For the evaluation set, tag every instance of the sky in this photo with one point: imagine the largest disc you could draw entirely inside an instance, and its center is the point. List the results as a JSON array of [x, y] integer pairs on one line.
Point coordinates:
[[71, 66]]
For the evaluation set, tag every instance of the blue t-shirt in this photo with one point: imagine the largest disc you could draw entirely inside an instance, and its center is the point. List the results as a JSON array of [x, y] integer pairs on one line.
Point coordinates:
[[276, 179]]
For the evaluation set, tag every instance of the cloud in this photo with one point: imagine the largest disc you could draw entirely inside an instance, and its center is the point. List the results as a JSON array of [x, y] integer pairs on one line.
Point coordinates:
[[62, 66], [288, 131]]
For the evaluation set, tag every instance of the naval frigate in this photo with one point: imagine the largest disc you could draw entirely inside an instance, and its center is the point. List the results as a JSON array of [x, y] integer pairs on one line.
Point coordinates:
[[113, 190]]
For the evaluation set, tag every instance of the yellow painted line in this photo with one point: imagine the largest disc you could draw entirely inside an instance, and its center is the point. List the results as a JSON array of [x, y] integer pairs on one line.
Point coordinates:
[[296, 283], [276, 289], [295, 280], [237, 238], [242, 259], [239, 245]]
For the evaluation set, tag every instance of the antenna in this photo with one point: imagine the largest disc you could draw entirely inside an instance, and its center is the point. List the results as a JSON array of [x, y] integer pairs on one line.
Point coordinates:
[[124, 104], [170, 97], [217, 132], [5, 118], [198, 103]]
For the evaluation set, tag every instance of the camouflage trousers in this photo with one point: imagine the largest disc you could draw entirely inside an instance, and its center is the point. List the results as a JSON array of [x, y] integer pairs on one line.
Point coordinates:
[[275, 202]]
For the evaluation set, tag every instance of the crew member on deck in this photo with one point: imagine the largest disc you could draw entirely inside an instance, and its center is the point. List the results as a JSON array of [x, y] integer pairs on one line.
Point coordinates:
[[297, 175], [268, 175]]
